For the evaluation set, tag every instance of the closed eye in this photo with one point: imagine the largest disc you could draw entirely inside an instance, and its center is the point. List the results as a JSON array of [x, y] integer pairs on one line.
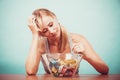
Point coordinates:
[[50, 24], [44, 30]]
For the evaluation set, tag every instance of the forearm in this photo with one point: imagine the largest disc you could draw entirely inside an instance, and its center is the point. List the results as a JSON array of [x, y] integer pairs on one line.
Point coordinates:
[[98, 64], [83, 47], [33, 58]]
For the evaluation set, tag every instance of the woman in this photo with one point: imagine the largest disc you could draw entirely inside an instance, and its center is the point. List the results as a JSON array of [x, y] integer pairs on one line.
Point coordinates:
[[44, 23]]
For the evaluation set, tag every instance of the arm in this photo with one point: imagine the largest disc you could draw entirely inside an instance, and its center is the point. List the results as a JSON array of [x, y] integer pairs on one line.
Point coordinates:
[[94, 59], [91, 56], [33, 59]]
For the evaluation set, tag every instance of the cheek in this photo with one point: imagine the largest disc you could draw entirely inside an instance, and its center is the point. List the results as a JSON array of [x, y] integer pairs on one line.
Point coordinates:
[[56, 28]]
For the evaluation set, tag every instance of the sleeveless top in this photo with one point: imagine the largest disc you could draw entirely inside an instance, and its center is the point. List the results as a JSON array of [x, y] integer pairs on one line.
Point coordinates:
[[48, 52]]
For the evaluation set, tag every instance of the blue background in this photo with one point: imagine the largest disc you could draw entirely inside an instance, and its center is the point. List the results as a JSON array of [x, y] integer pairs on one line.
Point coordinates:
[[97, 20]]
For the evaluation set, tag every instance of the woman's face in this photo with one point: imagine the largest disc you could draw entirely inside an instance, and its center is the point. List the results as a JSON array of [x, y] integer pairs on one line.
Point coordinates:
[[50, 27]]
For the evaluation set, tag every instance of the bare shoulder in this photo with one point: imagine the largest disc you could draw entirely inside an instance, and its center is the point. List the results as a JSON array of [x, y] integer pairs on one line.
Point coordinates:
[[77, 37]]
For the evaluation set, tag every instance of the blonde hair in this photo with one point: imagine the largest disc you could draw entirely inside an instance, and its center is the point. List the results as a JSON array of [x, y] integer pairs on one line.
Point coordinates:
[[39, 12], [64, 37]]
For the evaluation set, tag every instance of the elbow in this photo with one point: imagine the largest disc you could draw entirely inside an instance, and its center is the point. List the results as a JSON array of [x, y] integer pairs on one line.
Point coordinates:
[[105, 71], [30, 72]]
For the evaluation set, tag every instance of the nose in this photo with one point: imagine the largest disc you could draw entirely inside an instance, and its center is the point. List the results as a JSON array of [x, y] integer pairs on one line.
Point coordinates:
[[51, 31]]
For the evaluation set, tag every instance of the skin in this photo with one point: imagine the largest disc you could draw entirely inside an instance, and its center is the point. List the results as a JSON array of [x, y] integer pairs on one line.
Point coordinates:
[[50, 28]]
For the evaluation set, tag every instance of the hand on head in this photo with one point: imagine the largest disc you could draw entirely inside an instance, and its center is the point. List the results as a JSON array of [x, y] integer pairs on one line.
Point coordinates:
[[32, 25]]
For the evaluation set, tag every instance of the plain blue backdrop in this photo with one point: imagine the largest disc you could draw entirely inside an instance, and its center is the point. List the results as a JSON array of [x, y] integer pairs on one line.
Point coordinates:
[[97, 20]]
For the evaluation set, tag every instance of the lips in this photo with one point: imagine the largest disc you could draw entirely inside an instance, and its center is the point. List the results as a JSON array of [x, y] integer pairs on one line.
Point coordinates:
[[53, 36]]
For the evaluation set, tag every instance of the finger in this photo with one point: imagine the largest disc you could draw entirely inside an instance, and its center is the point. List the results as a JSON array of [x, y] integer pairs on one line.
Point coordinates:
[[35, 23], [74, 46], [30, 23], [30, 18], [80, 53], [77, 50]]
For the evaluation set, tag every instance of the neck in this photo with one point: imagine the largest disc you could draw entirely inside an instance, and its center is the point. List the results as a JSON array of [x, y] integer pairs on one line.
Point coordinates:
[[54, 42]]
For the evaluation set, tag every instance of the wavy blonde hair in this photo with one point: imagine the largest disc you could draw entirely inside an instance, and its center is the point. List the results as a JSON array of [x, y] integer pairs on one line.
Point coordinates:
[[64, 37]]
